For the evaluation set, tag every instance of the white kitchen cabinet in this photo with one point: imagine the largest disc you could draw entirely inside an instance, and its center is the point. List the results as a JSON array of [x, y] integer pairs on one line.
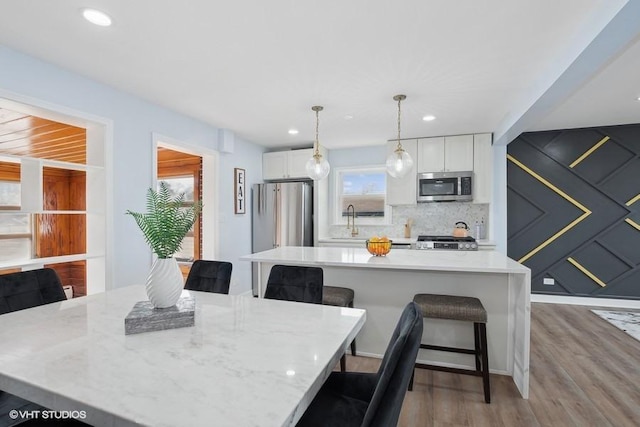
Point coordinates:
[[431, 154], [298, 161], [482, 168], [285, 164], [446, 154], [402, 191]]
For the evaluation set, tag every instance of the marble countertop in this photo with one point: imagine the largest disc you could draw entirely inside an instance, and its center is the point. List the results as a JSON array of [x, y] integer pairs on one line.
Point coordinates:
[[247, 361], [464, 261], [483, 242]]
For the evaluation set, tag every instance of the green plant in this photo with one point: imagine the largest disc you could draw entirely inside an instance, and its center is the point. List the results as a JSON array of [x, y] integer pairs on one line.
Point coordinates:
[[166, 221]]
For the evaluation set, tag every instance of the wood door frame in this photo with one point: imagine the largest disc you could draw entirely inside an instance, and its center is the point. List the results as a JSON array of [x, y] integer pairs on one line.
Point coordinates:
[[209, 215]]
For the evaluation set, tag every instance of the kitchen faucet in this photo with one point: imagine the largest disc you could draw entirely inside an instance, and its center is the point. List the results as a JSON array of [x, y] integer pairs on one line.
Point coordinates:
[[354, 230]]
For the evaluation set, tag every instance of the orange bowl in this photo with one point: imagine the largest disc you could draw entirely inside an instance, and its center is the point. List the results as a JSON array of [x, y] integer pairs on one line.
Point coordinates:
[[378, 248]]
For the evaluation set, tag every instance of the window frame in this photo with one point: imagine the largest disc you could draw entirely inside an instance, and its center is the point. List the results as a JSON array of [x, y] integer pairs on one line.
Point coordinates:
[[14, 177], [338, 219], [195, 173]]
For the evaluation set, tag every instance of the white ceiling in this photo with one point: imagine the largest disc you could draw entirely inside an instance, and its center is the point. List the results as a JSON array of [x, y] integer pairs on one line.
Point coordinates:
[[257, 67]]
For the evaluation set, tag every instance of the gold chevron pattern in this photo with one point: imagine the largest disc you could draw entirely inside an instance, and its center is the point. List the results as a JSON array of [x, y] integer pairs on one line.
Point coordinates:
[[629, 220], [632, 223], [586, 212], [586, 272], [589, 152]]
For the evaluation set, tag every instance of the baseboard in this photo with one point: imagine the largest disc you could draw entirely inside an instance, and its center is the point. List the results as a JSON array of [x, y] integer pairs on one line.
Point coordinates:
[[588, 301]]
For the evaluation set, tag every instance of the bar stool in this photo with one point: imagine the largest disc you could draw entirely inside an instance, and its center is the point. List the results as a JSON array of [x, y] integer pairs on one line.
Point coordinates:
[[340, 297], [465, 309]]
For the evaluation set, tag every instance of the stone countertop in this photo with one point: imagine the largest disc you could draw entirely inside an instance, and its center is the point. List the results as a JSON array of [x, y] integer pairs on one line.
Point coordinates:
[[463, 261], [227, 370], [483, 242]]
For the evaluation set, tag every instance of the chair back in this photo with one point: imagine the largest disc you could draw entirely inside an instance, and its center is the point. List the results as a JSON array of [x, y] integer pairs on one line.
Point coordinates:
[[209, 276], [26, 289], [295, 283], [395, 370]]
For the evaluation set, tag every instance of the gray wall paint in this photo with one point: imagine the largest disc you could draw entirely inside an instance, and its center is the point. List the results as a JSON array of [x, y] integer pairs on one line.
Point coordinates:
[[576, 219], [134, 121]]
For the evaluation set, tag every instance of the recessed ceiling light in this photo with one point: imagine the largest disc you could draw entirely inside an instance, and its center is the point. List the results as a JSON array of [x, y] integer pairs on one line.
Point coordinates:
[[429, 118], [638, 98], [348, 117], [293, 131], [96, 17]]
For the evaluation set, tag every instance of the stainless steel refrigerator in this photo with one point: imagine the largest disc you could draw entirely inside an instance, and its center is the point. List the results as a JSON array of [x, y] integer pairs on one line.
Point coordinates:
[[282, 215]]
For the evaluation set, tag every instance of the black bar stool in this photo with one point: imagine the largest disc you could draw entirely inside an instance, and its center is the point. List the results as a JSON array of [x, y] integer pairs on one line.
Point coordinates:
[[465, 309], [340, 297]]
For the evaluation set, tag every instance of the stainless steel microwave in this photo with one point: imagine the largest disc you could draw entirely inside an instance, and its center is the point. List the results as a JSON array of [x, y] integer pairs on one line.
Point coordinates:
[[445, 186]]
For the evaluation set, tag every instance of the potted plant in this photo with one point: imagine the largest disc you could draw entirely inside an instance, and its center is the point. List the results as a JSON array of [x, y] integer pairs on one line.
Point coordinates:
[[164, 226]]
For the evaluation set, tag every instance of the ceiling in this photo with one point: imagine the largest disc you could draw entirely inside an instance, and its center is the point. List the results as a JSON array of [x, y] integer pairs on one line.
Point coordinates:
[[23, 135], [257, 67]]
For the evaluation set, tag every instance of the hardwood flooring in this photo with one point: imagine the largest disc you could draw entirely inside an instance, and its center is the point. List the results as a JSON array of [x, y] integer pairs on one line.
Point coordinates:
[[584, 372]]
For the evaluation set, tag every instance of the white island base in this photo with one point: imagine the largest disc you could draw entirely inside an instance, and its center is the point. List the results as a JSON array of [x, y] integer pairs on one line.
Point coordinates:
[[384, 285]]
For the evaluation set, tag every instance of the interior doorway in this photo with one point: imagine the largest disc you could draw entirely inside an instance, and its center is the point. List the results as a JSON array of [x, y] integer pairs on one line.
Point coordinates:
[[55, 199], [191, 170]]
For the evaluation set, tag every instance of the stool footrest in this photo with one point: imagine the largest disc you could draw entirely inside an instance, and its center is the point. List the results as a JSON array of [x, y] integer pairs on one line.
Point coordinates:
[[449, 349], [448, 369]]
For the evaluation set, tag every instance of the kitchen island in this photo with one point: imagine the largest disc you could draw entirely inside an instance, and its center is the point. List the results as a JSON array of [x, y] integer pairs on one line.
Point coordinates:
[[384, 285]]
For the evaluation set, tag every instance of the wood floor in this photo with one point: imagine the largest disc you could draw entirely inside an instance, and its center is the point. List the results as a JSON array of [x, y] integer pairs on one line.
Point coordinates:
[[584, 372]]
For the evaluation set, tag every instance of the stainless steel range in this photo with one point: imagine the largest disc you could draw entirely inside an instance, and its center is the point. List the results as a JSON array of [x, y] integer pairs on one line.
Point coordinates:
[[447, 243]]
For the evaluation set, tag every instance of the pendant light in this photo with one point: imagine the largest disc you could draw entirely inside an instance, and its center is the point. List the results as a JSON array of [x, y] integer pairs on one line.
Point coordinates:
[[317, 166], [399, 163]]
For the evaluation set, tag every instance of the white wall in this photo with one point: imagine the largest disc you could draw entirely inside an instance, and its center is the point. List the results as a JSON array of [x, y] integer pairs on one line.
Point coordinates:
[[134, 120]]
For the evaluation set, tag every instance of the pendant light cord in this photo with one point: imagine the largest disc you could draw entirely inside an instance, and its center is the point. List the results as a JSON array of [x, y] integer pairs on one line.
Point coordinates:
[[399, 113], [316, 154], [317, 126], [399, 98]]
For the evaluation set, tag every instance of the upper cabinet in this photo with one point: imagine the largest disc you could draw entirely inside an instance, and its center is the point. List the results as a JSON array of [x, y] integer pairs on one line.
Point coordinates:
[[285, 164], [445, 154], [402, 191], [482, 168]]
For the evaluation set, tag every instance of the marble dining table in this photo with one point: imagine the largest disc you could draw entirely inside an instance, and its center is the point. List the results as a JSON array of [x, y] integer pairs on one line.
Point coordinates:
[[246, 362]]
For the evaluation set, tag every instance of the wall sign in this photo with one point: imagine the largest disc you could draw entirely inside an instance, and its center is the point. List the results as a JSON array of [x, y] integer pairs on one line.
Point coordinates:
[[238, 190]]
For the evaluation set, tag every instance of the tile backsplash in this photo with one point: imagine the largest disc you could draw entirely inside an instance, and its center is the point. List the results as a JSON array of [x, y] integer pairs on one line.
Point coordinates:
[[428, 218]]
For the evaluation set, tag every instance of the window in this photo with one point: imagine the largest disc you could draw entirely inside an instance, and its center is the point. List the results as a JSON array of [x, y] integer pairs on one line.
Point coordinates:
[[365, 188], [186, 185], [15, 228], [10, 195]]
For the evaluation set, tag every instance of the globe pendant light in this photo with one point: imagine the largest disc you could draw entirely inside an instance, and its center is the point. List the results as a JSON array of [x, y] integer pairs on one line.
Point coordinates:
[[317, 166], [399, 163]]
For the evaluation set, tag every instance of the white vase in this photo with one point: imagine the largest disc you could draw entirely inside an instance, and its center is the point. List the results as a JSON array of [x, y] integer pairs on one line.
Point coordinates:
[[164, 284]]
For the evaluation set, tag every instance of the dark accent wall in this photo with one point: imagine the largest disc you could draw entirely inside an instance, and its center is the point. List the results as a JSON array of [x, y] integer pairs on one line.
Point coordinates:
[[573, 209]]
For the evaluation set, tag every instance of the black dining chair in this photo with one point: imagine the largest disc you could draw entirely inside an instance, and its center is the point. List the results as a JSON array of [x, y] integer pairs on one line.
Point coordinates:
[[209, 276], [371, 399], [300, 284], [26, 289], [295, 283], [19, 291]]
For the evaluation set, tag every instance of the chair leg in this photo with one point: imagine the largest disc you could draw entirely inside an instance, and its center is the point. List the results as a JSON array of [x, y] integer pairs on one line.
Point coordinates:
[[343, 363], [476, 341], [485, 363], [353, 343], [411, 380]]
